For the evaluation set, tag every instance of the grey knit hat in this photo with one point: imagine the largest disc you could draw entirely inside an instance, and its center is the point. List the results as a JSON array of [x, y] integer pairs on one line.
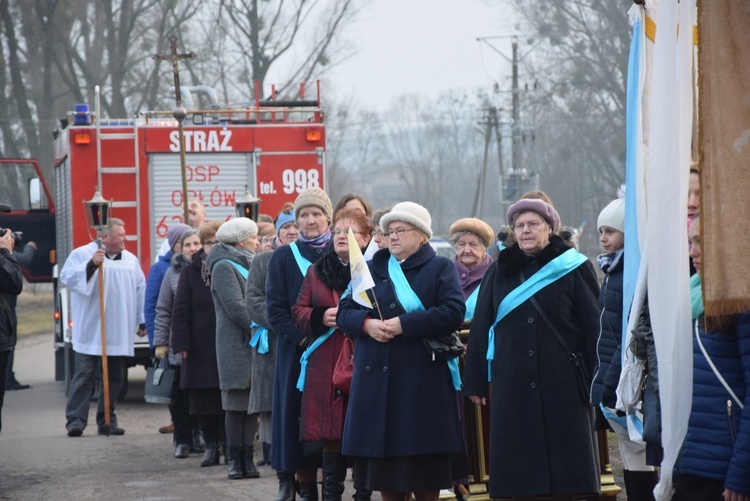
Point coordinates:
[[315, 197], [411, 213], [236, 230], [175, 232], [613, 215]]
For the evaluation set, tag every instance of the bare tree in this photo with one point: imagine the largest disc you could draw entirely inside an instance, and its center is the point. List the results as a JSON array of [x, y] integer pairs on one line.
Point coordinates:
[[305, 35], [578, 67]]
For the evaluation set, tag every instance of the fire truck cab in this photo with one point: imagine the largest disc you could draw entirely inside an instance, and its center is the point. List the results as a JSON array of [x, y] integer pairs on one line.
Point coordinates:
[[274, 149]]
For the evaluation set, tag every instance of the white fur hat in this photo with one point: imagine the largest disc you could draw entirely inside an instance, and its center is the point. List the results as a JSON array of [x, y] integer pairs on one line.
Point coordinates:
[[236, 230], [411, 213]]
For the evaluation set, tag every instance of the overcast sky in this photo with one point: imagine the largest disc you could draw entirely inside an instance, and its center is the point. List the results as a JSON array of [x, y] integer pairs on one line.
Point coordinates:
[[410, 46]]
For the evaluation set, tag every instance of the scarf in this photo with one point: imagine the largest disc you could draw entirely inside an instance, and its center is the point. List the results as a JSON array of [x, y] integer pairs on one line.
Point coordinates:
[[470, 278], [696, 296], [317, 242], [608, 261], [205, 272]]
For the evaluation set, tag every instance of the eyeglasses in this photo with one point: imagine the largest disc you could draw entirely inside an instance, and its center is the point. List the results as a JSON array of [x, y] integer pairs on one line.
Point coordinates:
[[339, 231], [266, 240], [399, 232], [533, 225], [377, 233], [209, 243]]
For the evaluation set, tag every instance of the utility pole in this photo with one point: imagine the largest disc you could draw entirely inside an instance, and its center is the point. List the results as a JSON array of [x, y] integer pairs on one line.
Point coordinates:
[[516, 120]]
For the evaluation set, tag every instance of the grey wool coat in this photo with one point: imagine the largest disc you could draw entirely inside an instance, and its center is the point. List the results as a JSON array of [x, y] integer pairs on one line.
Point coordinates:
[[233, 352], [163, 318], [261, 392]]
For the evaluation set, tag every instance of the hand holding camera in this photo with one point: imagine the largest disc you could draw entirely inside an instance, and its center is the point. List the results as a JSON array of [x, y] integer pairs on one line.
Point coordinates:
[[6, 239]]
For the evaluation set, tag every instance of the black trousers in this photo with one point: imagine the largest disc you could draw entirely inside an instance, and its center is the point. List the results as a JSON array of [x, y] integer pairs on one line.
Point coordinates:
[[694, 488], [3, 364], [180, 412]]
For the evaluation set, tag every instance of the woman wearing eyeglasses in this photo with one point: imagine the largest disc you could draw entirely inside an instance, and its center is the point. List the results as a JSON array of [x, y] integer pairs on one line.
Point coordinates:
[[537, 311], [402, 421], [323, 408]]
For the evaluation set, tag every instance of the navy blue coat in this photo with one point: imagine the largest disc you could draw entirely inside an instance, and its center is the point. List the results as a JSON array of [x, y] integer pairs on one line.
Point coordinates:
[[542, 438], [153, 285], [608, 353], [283, 284], [708, 450], [401, 402]]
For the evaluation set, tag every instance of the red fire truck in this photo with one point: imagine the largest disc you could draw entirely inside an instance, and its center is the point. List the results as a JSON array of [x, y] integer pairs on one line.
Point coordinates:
[[273, 148]]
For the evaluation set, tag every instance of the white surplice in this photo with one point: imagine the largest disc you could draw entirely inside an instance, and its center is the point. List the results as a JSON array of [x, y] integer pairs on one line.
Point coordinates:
[[124, 293]]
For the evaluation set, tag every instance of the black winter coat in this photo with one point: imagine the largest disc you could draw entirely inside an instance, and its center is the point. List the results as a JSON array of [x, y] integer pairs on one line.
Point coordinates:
[[542, 439], [608, 352], [11, 282], [194, 327]]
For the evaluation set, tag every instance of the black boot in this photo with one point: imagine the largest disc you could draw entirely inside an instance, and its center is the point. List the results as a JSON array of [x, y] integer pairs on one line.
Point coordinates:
[[308, 491], [197, 444], [211, 455], [234, 463], [334, 473], [266, 460], [286, 486], [362, 495], [640, 484], [248, 466]]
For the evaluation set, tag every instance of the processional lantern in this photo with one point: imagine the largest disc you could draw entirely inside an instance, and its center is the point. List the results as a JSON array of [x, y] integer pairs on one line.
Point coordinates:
[[97, 212], [248, 206]]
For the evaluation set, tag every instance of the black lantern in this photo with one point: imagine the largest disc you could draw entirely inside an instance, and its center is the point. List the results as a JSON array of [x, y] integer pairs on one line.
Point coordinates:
[[248, 206], [97, 212]]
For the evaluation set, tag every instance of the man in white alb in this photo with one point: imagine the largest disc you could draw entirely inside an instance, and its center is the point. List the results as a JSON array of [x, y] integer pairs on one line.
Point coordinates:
[[124, 287]]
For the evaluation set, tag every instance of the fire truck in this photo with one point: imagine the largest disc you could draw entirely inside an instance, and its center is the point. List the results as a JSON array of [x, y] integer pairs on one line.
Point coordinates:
[[271, 148]]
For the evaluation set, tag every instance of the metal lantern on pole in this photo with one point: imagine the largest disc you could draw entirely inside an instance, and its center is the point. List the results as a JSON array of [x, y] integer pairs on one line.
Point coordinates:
[[248, 206], [97, 215]]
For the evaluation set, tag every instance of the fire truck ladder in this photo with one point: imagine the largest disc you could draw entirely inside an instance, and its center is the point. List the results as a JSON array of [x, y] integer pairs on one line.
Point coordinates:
[[134, 170]]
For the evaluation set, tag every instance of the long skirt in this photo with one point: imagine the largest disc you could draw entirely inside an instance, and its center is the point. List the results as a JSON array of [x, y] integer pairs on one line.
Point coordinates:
[[403, 474], [205, 402]]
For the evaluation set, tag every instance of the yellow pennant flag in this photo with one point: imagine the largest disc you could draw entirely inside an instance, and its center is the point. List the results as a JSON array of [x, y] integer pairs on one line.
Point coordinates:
[[361, 277]]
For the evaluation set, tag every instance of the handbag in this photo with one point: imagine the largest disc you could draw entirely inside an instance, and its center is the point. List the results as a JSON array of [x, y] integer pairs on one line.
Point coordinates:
[[444, 347], [160, 383], [344, 368], [583, 378]]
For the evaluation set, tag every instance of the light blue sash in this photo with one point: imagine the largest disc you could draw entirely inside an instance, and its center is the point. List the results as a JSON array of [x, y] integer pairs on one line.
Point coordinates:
[[243, 271], [260, 338], [471, 304], [550, 272], [306, 354], [303, 263], [411, 302]]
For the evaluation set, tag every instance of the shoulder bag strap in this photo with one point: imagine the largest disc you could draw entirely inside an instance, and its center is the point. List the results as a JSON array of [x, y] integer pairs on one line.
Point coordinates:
[[714, 368]]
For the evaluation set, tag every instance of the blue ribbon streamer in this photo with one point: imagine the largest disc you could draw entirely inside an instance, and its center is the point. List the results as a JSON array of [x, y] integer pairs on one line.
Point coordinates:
[[260, 338], [306, 356], [411, 302]]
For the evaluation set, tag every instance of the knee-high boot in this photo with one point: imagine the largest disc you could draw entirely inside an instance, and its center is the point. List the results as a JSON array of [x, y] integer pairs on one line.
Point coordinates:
[[286, 486], [308, 491], [334, 473]]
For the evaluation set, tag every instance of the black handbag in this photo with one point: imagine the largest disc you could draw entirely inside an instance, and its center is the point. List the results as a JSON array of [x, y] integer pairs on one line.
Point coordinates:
[[160, 382], [444, 347]]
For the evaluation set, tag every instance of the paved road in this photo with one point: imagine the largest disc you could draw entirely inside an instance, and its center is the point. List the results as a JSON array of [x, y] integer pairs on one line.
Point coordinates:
[[39, 461]]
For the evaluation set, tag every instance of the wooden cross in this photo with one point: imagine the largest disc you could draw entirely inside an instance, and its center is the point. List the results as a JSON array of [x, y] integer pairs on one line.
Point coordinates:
[[179, 113], [175, 58]]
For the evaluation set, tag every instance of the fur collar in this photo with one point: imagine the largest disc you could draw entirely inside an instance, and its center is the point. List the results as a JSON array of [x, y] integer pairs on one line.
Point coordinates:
[[512, 259], [332, 272]]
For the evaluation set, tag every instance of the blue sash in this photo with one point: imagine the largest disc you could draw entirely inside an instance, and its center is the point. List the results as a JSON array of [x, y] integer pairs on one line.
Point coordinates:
[[471, 304], [260, 338], [306, 354], [303, 263], [239, 267], [550, 272], [411, 302]]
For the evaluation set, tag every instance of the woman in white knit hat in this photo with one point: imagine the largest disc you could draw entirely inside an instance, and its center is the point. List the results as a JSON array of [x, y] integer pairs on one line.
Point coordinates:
[[286, 271], [402, 421], [229, 261]]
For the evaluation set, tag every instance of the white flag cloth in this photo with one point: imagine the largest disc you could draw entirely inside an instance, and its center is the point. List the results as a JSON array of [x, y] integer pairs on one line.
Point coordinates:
[[668, 176], [361, 277]]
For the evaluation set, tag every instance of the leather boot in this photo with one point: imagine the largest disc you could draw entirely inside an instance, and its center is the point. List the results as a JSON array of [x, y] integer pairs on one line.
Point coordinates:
[[640, 484], [197, 443], [248, 466], [308, 491], [210, 455], [286, 486], [234, 463], [362, 495], [334, 473]]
